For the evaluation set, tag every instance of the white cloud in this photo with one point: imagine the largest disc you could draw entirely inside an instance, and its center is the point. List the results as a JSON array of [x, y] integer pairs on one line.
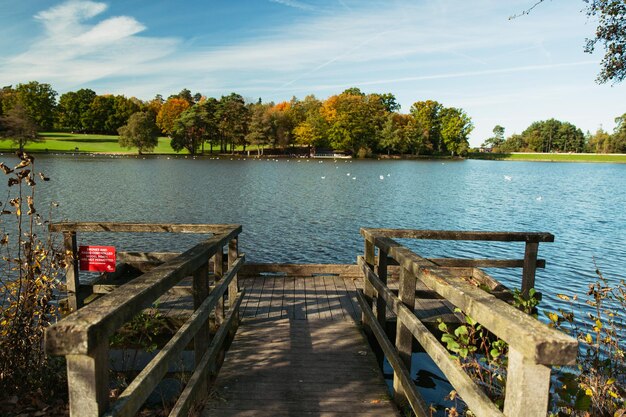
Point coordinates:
[[295, 4]]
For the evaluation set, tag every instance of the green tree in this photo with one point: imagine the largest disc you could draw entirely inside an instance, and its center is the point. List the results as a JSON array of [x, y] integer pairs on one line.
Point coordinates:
[[190, 130], [38, 100], [514, 143], [618, 138], [233, 117], [496, 140], [140, 132], [456, 126], [98, 114], [73, 108], [17, 125], [427, 124], [259, 126], [554, 136]]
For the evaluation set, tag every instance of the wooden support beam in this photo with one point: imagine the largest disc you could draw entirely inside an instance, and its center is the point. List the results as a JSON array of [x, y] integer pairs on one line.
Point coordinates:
[[371, 233], [412, 396], [233, 253], [72, 281], [200, 288], [88, 382], [131, 227], [404, 338], [527, 386], [218, 269], [530, 266], [193, 390]]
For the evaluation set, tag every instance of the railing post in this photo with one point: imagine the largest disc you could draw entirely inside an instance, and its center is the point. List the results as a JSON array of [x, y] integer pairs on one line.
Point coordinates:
[[368, 289], [218, 265], [233, 253], [404, 337], [530, 266], [72, 281], [527, 387], [88, 382], [381, 306], [200, 288]]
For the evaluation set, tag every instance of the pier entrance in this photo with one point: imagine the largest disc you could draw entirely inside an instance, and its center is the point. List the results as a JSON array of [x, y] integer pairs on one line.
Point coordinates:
[[302, 340]]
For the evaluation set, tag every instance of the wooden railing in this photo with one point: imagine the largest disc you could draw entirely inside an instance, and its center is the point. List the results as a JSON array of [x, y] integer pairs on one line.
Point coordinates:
[[83, 336], [533, 346]]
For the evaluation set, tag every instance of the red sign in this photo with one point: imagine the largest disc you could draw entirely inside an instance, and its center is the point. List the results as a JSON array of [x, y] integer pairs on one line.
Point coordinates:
[[97, 258]]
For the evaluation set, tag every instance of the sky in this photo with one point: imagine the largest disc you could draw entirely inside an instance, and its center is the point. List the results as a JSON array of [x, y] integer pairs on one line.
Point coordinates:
[[466, 54]]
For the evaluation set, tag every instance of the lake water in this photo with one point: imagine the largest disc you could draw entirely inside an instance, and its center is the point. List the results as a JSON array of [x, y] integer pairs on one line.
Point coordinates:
[[311, 210]]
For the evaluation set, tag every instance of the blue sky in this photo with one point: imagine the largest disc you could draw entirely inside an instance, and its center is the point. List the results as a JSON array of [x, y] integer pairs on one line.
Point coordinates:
[[463, 54]]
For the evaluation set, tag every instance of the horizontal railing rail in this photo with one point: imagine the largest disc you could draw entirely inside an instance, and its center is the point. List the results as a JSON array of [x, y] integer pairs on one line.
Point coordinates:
[[83, 336], [533, 346]]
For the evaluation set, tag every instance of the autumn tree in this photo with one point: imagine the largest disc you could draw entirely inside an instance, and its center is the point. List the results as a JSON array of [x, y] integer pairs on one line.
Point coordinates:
[[169, 112], [17, 125], [140, 132]]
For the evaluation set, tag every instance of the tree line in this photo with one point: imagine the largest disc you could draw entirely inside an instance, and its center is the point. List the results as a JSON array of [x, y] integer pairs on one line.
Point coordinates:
[[351, 121], [557, 136]]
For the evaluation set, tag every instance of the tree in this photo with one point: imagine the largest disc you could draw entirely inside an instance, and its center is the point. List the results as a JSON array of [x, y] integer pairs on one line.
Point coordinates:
[[259, 127], [17, 125], [496, 140], [600, 142], [72, 109], [233, 121], [169, 112], [140, 132], [456, 126], [38, 100], [96, 118], [427, 123], [190, 130], [553, 136], [618, 138]]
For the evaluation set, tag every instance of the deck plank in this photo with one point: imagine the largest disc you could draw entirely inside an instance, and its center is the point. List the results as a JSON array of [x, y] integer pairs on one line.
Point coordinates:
[[283, 367]]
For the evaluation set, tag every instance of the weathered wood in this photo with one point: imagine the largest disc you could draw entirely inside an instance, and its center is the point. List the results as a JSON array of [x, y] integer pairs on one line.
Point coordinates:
[[410, 393], [484, 263], [279, 367], [530, 266], [194, 390], [471, 393], [132, 257], [253, 269], [87, 327], [534, 339], [218, 265], [131, 399], [372, 233], [404, 338], [381, 310], [527, 386], [368, 291], [200, 293], [89, 382], [233, 253], [72, 281], [129, 227]]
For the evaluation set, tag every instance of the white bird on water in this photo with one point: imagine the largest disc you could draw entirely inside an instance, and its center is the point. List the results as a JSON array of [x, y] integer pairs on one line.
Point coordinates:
[[508, 178], [324, 177], [382, 177], [539, 198], [348, 174]]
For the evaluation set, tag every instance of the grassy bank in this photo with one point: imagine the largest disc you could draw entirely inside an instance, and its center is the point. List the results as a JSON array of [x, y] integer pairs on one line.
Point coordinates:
[[55, 142], [551, 157]]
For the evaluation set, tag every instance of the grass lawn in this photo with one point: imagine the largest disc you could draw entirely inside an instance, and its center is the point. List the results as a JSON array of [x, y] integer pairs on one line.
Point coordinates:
[[552, 157], [68, 142]]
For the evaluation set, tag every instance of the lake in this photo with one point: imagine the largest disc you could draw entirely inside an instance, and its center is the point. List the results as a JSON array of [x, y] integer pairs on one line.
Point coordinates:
[[302, 210]]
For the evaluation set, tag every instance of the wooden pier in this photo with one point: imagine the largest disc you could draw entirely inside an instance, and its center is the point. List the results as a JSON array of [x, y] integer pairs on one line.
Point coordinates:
[[294, 340]]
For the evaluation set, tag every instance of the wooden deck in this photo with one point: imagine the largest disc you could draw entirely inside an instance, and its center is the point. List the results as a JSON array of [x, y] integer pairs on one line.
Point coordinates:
[[300, 352]]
